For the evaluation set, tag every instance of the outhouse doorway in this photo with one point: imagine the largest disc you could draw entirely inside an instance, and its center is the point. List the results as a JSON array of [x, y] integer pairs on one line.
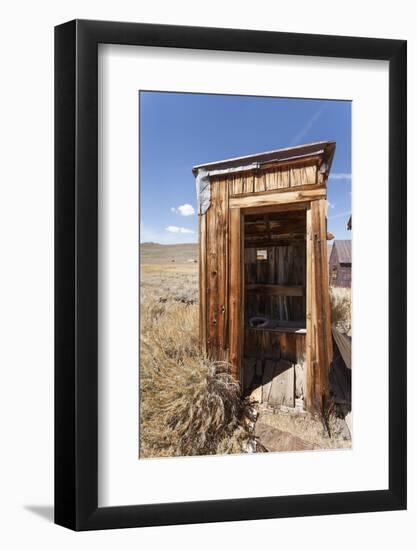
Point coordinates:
[[274, 285]]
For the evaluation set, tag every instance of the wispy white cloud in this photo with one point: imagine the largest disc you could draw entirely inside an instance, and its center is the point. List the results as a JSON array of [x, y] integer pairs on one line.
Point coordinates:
[[176, 229], [184, 210], [162, 236], [340, 215], [340, 176], [331, 204], [297, 140]]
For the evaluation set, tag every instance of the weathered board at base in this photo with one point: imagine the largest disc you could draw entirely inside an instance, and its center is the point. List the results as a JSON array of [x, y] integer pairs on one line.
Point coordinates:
[[275, 440], [271, 382]]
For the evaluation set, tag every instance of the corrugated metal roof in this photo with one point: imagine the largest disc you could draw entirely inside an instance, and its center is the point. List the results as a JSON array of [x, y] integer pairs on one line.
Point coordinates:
[[344, 251], [309, 149]]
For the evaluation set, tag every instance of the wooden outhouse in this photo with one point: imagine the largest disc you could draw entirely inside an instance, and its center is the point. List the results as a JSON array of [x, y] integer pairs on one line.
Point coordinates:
[[263, 275]]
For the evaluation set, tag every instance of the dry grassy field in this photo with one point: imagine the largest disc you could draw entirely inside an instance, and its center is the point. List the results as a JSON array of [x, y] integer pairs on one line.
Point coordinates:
[[188, 404]]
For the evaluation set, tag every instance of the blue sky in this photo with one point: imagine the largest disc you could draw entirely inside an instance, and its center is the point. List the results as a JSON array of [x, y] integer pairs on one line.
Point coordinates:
[[178, 131]]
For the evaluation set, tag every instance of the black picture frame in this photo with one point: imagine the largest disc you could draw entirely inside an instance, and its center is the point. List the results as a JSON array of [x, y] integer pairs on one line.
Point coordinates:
[[76, 272]]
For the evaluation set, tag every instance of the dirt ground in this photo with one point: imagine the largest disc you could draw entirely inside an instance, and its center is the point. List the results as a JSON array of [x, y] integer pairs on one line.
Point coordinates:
[[308, 428]]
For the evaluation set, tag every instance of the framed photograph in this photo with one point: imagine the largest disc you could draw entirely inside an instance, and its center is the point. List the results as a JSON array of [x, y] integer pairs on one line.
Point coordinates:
[[230, 254]]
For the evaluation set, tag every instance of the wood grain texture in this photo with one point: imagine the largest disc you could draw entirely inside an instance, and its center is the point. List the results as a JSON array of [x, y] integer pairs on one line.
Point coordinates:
[[235, 292], [202, 264], [274, 345], [310, 355], [319, 343], [275, 290], [216, 272], [325, 283], [276, 198], [273, 176], [212, 275]]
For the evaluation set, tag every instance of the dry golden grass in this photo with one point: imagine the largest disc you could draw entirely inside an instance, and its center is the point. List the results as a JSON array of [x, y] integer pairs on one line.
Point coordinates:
[[188, 404], [341, 309], [164, 282]]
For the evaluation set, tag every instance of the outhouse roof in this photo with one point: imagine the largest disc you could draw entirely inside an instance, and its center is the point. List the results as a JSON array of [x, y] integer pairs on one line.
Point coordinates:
[[325, 148]]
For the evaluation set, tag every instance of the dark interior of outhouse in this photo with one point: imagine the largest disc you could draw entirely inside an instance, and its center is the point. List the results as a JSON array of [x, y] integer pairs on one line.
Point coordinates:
[[275, 278]]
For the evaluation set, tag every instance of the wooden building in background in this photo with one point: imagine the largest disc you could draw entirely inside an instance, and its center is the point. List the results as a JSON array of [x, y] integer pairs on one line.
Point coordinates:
[[264, 300], [340, 264]]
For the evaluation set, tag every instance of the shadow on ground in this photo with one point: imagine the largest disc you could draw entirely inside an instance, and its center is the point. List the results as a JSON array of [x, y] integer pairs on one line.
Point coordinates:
[[45, 512]]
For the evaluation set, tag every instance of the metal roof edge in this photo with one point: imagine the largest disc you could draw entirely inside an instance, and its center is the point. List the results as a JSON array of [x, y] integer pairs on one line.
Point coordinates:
[[286, 153]]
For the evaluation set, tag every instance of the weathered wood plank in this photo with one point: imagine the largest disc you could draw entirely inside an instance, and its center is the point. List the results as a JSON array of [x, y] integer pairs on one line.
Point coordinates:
[[276, 207], [318, 342], [226, 274], [310, 354], [318, 329], [276, 242], [324, 276], [275, 440], [203, 283], [222, 249], [286, 164], [276, 290], [277, 186], [286, 344], [235, 293], [272, 199], [278, 229], [212, 273], [259, 182], [271, 180], [248, 183], [237, 184], [274, 176]]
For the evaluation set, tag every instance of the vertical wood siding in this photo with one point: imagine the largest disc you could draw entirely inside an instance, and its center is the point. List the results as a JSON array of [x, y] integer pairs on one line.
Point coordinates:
[[274, 178], [236, 294], [203, 288], [269, 344], [286, 265], [216, 268]]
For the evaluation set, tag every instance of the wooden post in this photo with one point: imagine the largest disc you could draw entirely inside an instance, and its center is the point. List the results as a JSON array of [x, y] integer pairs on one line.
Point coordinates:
[[202, 283], [318, 341], [236, 318], [310, 355]]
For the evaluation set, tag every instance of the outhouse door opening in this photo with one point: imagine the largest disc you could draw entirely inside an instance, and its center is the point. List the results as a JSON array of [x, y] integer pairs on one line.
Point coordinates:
[[274, 285]]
